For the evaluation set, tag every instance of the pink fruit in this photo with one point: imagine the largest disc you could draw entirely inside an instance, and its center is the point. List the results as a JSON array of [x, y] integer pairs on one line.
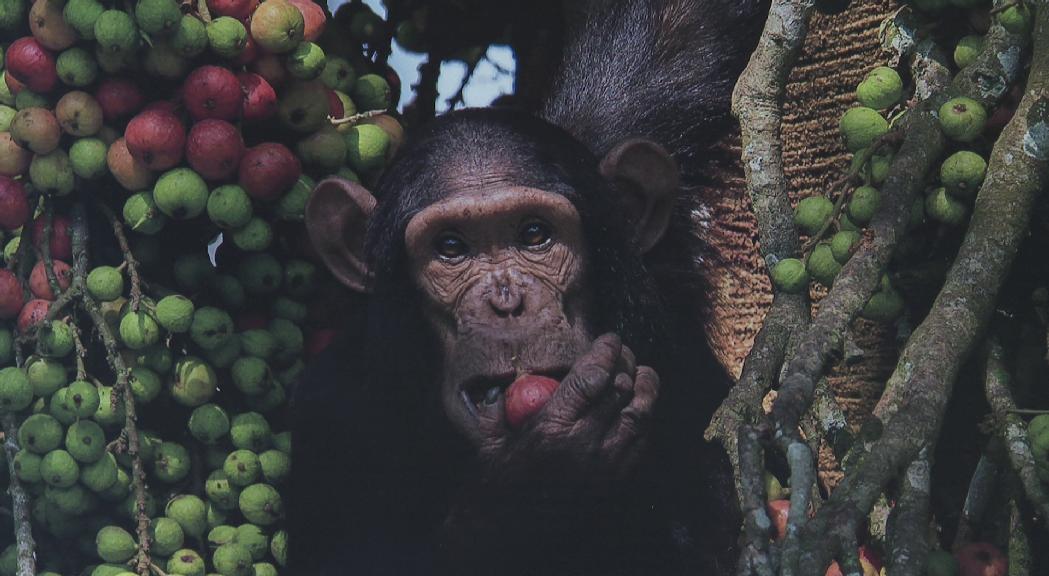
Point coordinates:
[[13, 84], [981, 559], [314, 17], [39, 285], [268, 170], [156, 137], [119, 98], [32, 313], [779, 511], [214, 149], [32, 64], [14, 208], [271, 67], [61, 244], [239, 9], [527, 396], [318, 340], [11, 296], [165, 106], [833, 570], [335, 107], [130, 172], [260, 100], [212, 92]]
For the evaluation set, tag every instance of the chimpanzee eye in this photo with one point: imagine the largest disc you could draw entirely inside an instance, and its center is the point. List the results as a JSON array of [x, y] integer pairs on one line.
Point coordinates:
[[450, 246], [534, 234]]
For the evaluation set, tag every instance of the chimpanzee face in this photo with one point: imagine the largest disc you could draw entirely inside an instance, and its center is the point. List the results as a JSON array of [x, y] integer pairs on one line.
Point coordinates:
[[501, 272]]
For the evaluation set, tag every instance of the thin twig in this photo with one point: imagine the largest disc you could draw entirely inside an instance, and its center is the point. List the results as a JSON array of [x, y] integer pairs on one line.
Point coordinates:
[[19, 502], [129, 258], [79, 351], [355, 118]]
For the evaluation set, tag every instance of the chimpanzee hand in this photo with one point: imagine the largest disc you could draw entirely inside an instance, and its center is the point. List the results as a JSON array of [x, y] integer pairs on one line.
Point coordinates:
[[591, 431]]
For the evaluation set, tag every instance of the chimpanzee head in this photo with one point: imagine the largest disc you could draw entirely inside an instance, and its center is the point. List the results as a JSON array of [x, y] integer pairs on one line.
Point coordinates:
[[515, 243]]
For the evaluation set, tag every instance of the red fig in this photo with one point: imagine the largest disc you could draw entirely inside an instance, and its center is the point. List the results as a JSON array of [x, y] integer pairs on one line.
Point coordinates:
[[239, 9], [214, 149], [268, 170], [32, 313], [11, 296], [119, 98], [39, 285], [526, 396], [14, 208], [314, 18], [61, 244], [260, 100], [156, 137], [32, 64], [212, 92]]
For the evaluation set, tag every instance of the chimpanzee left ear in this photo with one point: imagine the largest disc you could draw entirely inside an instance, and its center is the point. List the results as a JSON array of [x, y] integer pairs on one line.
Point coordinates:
[[336, 220], [649, 177]]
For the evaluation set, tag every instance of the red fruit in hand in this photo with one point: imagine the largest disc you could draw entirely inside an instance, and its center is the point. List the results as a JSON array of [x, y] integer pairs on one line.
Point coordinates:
[[981, 559], [212, 92], [778, 511], [14, 208], [260, 99], [214, 149], [156, 137], [61, 244], [833, 570], [11, 297], [268, 170], [526, 396], [38, 283], [32, 313], [119, 98], [30, 63]]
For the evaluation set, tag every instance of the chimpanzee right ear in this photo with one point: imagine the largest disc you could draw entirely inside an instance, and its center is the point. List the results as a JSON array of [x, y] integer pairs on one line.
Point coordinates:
[[336, 219]]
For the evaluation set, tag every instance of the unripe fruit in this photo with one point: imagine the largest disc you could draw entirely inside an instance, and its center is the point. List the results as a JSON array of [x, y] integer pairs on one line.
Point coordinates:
[[194, 382], [190, 512], [864, 204], [138, 329], [59, 469], [52, 173], [242, 467], [159, 17], [789, 275], [962, 119], [209, 423], [76, 67], [166, 536], [82, 398], [171, 464], [812, 213], [175, 313], [277, 26], [967, 49], [100, 475], [278, 546], [214, 149], [157, 138], [85, 441], [145, 384], [962, 173], [190, 38], [338, 74], [115, 544], [883, 306], [181, 193], [259, 273], [229, 207], [942, 207], [1016, 19], [261, 504], [304, 107], [105, 283], [227, 37], [861, 126], [210, 327], [843, 243], [107, 414], [822, 266], [88, 158], [371, 92], [882, 88], [306, 61], [45, 375], [55, 339], [276, 466], [40, 434], [81, 15], [142, 215], [116, 32], [366, 147]]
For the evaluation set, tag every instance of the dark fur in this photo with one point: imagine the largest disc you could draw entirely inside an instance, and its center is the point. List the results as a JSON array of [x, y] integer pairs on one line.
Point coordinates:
[[376, 464]]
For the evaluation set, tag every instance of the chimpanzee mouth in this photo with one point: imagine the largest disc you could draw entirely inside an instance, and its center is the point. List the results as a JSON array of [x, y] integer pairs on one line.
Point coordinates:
[[490, 387]]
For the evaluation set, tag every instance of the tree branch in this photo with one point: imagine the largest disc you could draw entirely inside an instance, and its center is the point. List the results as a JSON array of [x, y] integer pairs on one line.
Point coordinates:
[[19, 502]]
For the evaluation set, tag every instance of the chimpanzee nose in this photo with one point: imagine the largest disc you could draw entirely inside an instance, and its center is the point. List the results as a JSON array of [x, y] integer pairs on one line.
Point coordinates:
[[506, 297]]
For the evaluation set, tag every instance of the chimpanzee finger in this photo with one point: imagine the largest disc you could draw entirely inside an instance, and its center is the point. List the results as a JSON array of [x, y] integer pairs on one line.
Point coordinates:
[[627, 362], [605, 411], [591, 375], [491, 422], [634, 419]]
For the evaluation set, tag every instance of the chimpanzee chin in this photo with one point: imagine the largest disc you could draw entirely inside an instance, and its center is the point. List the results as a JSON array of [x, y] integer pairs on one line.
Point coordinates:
[[499, 244]]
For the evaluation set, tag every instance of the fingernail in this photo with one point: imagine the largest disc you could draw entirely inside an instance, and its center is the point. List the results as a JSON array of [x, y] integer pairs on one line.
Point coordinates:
[[492, 396]]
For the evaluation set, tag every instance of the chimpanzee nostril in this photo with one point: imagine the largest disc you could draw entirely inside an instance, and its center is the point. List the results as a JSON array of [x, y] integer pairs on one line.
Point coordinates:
[[506, 299]]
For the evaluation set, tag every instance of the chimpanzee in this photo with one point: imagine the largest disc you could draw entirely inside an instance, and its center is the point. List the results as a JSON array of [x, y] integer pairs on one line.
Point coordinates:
[[501, 243]]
